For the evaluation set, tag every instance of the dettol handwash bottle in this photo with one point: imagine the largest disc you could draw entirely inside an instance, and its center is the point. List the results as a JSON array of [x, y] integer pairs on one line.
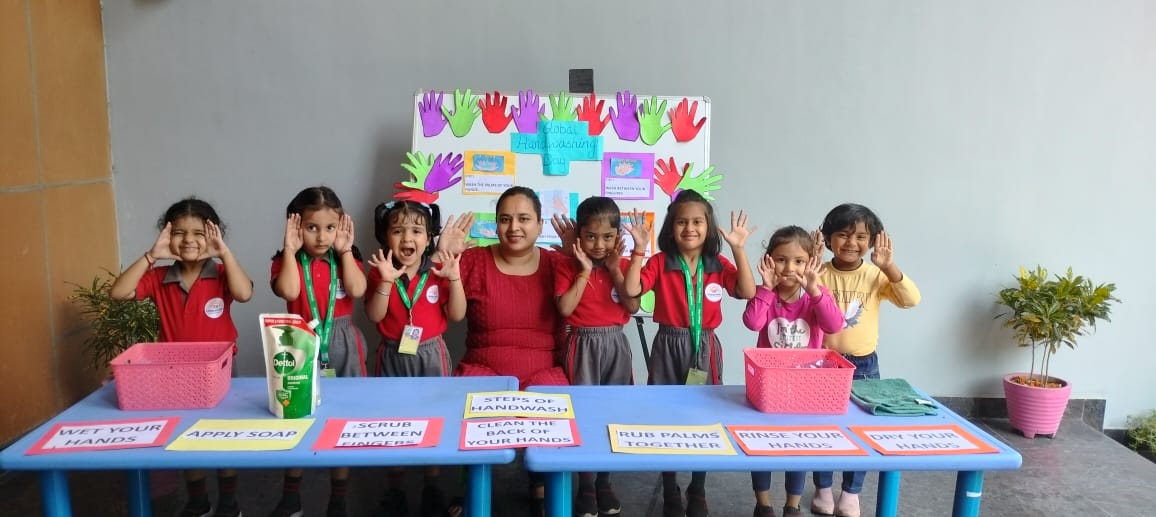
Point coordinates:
[[291, 368]]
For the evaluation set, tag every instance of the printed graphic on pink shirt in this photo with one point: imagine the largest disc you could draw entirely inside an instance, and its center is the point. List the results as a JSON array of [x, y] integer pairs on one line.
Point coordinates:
[[783, 333]]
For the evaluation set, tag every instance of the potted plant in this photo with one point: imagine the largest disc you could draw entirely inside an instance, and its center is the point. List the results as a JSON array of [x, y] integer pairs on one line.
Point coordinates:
[[1046, 313], [1141, 434], [116, 324]]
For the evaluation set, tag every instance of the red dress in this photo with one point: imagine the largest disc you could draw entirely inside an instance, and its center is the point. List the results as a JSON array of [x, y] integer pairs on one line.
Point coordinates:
[[512, 323]]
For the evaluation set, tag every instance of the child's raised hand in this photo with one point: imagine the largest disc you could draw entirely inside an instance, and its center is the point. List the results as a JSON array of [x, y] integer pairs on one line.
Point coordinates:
[[343, 242], [583, 258], [449, 265], [160, 248], [739, 233], [383, 263], [882, 256], [454, 236], [767, 271], [811, 275], [613, 263], [818, 244], [567, 230], [216, 239], [293, 238], [639, 230]]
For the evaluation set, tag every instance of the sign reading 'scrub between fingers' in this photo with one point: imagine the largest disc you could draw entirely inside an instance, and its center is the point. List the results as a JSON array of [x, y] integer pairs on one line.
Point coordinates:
[[518, 404], [341, 433], [670, 439]]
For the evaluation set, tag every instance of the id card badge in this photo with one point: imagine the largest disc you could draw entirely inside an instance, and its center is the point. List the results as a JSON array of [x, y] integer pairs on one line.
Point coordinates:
[[329, 372], [410, 339], [695, 377]]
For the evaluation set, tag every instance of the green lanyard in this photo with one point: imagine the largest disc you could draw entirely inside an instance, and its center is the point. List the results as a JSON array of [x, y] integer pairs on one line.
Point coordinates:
[[323, 328], [694, 304], [404, 291]]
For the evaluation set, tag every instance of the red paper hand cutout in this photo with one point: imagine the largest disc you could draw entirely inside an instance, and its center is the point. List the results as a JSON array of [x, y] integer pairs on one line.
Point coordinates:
[[411, 194], [494, 115], [682, 121], [589, 111], [667, 176]]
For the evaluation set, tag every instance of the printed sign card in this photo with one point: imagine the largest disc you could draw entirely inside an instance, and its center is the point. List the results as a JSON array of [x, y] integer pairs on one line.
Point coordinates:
[[519, 432], [518, 404], [670, 439], [341, 433], [97, 436], [921, 440], [821, 440]]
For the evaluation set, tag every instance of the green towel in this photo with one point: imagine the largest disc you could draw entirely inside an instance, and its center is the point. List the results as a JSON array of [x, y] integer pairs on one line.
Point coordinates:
[[890, 397]]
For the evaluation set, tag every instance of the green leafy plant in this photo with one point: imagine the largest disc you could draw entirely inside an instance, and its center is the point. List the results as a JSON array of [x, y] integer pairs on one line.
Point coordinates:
[[1049, 312], [116, 324], [1142, 432]]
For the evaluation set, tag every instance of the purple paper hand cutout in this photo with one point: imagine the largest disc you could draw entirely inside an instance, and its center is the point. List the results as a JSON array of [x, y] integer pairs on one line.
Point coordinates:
[[430, 110], [526, 114], [445, 172], [625, 119]]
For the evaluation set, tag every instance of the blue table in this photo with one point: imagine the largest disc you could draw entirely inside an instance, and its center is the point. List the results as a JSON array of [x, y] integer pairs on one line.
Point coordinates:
[[597, 406], [341, 398]]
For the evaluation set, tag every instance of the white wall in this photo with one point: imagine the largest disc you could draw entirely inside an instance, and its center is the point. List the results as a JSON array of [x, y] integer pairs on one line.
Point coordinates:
[[986, 135]]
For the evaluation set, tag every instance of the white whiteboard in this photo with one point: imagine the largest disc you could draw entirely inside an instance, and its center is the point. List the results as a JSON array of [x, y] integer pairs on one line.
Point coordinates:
[[480, 152]]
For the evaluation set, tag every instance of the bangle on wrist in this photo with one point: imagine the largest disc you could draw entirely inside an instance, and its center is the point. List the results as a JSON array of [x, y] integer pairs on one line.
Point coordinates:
[[149, 258], [458, 279], [638, 253], [383, 293]]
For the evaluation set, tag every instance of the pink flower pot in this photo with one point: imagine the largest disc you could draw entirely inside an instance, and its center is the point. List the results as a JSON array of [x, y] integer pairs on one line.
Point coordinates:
[[1034, 410]]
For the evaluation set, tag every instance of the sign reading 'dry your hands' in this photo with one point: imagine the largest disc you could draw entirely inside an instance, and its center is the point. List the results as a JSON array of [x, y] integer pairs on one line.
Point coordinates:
[[921, 440]]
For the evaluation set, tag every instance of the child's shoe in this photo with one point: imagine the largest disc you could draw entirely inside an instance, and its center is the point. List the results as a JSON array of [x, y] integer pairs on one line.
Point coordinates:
[[792, 511], [393, 504], [433, 501], [586, 504], [288, 507], [336, 508], [672, 502], [696, 503], [608, 504], [848, 505], [763, 511], [197, 509], [823, 502], [228, 508]]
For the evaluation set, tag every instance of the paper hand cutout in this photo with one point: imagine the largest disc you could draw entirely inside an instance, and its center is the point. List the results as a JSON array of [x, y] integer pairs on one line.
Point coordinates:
[[430, 110], [561, 108], [673, 180], [682, 121], [625, 119], [667, 176], [650, 120], [429, 175], [494, 115], [528, 111], [589, 111], [466, 111]]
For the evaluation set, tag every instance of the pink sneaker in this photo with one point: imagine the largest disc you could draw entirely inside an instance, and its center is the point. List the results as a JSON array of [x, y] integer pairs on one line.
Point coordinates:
[[823, 502]]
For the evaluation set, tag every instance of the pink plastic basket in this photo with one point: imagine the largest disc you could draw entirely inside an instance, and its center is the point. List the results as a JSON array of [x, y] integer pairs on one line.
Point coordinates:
[[778, 381], [173, 375]]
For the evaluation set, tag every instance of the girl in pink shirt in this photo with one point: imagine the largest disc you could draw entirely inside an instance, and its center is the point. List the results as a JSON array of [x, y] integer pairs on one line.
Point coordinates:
[[790, 310]]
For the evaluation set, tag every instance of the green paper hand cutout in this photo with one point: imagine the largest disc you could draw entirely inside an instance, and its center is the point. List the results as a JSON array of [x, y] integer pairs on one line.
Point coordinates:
[[650, 115], [701, 183], [647, 302], [419, 166], [561, 108], [466, 111]]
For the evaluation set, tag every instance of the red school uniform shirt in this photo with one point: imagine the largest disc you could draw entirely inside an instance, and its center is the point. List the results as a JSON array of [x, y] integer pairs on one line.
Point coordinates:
[[428, 305], [201, 314], [599, 305], [663, 273], [319, 270]]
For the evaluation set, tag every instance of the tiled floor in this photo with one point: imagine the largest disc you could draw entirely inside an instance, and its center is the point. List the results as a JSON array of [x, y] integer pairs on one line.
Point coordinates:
[[1081, 472]]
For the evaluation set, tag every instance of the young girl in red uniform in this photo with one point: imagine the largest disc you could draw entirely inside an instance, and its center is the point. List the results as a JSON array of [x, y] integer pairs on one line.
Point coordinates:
[[318, 273], [688, 277], [411, 301], [589, 298], [193, 296]]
